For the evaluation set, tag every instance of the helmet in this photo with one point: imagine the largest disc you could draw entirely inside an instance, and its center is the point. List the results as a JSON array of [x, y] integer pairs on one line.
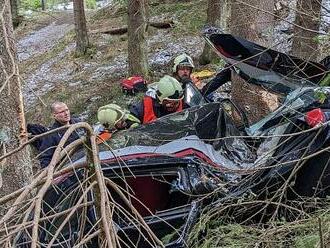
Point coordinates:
[[110, 114], [183, 60], [169, 88]]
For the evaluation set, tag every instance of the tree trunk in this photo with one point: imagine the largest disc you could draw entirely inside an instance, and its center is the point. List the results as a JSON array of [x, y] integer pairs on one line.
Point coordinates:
[[252, 20], [14, 12], [43, 4], [307, 24], [16, 170], [82, 42], [225, 13], [213, 19], [137, 44]]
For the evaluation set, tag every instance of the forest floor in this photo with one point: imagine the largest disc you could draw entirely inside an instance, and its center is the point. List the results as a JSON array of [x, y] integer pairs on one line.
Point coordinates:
[[50, 69]]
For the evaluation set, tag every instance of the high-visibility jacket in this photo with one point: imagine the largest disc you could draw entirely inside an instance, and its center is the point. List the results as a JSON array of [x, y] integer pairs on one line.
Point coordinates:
[[148, 109], [103, 136]]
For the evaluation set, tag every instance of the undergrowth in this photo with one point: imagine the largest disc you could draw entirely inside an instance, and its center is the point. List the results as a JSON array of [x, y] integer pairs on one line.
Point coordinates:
[[313, 231]]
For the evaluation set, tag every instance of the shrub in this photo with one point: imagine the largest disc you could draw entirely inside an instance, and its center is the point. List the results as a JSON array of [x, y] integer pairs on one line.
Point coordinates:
[[31, 4], [90, 4]]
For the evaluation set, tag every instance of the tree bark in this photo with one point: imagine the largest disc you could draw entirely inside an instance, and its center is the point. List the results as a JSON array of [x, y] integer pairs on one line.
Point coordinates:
[[137, 44], [251, 20], [82, 42], [213, 19], [43, 4], [307, 24], [225, 13], [16, 170], [14, 12]]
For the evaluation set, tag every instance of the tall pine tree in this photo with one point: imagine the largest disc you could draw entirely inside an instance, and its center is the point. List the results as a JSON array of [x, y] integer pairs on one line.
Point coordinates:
[[16, 170], [137, 44]]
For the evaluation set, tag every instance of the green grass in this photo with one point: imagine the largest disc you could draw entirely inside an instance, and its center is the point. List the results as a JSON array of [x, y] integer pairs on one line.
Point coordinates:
[[79, 100], [190, 16], [299, 234], [109, 12], [308, 241]]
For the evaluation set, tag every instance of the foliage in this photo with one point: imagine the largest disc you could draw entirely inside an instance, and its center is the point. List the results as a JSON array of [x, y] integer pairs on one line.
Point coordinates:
[[321, 38], [169, 237], [190, 16], [321, 95], [52, 3], [211, 231], [326, 81], [122, 2], [89, 53], [217, 234], [219, 62], [308, 241], [36, 4], [90, 4], [30, 4]]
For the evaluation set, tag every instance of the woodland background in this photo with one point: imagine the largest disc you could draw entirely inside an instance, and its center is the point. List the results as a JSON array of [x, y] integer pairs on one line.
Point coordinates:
[[79, 55]]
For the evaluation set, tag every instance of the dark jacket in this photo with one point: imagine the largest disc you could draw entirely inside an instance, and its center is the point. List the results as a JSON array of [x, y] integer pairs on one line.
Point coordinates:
[[36, 129], [50, 142], [138, 109]]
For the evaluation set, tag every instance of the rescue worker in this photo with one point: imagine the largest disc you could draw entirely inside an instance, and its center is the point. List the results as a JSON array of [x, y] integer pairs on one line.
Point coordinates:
[[112, 118], [183, 67], [62, 117], [168, 99]]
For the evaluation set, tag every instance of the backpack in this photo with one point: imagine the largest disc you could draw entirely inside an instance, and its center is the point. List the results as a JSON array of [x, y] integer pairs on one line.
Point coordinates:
[[133, 85]]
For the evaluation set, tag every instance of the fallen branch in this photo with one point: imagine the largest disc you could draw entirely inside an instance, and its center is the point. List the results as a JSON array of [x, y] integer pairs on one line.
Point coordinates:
[[103, 208], [28, 217], [113, 31], [123, 30], [161, 25], [37, 182], [31, 140], [50, 173]]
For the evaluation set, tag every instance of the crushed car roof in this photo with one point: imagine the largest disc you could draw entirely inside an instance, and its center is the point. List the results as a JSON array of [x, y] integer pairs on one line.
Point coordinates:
[[261, 65]]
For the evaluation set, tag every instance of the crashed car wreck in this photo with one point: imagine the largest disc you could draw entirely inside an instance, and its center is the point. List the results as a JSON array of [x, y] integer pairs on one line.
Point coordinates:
[[173, 164]]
